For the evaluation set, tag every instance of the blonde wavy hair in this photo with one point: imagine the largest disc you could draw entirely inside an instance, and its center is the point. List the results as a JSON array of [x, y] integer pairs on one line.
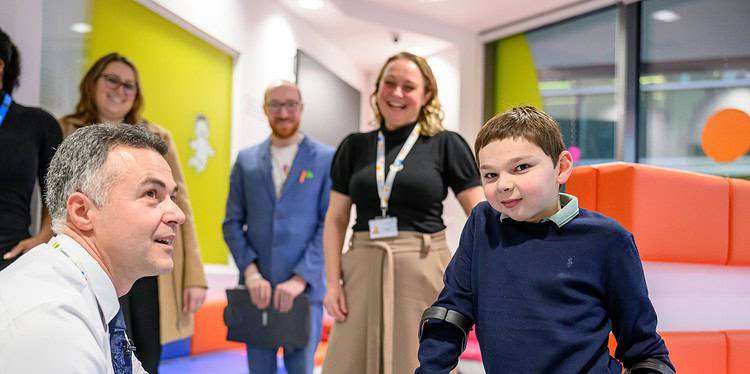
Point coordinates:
[[431, 114]]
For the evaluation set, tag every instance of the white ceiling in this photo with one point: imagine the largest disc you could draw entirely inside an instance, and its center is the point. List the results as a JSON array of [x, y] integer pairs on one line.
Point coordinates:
[[368, 43], [364, 29], [474, 15]]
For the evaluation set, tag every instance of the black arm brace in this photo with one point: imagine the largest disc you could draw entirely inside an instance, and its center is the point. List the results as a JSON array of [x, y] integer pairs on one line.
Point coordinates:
[[650, 365], [451, 316]]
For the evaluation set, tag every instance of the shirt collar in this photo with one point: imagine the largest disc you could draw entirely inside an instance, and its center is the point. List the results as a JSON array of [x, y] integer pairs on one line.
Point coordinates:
[[569, 210], [101, 284]]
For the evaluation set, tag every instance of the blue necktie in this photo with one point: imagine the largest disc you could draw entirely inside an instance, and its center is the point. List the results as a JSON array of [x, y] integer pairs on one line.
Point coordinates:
[[121, 355]]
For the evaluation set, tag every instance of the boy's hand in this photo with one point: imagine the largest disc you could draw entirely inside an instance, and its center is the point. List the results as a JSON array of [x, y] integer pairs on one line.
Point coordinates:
[[335, 302]]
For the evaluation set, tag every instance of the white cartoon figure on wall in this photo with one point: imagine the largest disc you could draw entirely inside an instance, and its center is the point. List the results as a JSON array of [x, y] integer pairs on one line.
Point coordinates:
[[200, 145]]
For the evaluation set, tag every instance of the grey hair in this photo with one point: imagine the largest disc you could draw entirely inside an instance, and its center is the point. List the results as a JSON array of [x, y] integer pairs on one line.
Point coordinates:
[[77, 165]]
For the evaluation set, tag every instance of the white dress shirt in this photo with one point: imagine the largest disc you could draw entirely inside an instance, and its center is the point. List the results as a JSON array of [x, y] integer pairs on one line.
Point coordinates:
[[55, 303]]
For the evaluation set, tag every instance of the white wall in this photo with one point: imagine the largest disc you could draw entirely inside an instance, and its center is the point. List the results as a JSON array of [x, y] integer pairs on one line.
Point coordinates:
[[445, 67], [266, 37], [20, 20], [471, 70]]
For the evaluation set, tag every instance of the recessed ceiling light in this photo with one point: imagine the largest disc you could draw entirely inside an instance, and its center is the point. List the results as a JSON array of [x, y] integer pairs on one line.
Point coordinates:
[[665, 15], [311, 4], [81, 27]]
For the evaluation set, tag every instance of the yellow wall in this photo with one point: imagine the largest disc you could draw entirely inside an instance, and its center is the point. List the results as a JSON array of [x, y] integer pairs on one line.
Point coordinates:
[[515, 75], [181, 76]]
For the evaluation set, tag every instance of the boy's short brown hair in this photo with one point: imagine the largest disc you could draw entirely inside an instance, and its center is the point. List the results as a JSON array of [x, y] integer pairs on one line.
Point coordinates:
[[524, 122]]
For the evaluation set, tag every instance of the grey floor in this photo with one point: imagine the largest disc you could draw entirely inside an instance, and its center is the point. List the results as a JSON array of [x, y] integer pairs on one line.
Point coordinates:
[[235, 362], [470, 367]]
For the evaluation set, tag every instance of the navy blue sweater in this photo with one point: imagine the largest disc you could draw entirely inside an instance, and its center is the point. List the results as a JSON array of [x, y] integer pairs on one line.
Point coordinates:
[[544, 298]]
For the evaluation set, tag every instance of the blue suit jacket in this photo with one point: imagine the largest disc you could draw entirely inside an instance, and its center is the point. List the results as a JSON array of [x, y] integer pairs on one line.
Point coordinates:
[[283, 237]]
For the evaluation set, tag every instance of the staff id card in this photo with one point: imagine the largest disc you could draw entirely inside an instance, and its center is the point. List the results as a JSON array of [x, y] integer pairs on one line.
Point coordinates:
[[383, 227]]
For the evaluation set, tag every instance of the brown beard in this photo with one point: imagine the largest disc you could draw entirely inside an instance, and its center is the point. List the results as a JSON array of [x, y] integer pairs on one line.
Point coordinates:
[[284, 134]]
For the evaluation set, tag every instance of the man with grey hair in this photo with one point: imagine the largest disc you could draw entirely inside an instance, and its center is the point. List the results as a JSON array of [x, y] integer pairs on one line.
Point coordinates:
[[110, 195]]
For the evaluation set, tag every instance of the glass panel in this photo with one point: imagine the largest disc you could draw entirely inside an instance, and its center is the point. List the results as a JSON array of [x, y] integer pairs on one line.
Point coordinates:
[[66, 28], [695, 61], [573, 79]]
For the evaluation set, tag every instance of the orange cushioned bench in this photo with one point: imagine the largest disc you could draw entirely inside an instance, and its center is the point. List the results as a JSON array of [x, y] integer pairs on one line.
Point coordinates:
[[739, 218], [738, 350], [683, 217], [210, 332], [707, 351], [661, 208]]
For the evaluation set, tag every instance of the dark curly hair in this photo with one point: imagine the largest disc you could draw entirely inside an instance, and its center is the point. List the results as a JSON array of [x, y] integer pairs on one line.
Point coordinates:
[[12, 61]]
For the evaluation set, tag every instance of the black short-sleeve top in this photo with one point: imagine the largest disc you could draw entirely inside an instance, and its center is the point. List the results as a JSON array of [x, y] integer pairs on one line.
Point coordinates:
[[28, 140], [434, 164]]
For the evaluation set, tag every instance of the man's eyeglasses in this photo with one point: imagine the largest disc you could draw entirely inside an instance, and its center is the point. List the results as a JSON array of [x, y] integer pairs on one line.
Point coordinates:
[[113, 82], [276, 106]]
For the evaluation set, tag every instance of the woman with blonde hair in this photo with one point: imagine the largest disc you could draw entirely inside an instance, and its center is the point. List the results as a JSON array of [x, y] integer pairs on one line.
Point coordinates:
[[157, 310], [397, 176]]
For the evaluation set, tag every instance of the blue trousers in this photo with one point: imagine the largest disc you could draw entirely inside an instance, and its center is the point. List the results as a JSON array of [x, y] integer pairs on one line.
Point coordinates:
[[298, 361]]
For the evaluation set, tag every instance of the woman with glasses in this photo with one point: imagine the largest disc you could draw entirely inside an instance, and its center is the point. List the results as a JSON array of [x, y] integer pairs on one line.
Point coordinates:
[[157, 309], [397, 177], [28, 139]]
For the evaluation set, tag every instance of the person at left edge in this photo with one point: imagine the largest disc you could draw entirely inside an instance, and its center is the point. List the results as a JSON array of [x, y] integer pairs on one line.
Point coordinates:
[[28, 138], [158, 310], [279, 191], [111, 196]]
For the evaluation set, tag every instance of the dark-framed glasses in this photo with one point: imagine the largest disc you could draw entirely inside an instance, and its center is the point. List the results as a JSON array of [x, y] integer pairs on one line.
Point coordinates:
[[291, 106], [113, 82]]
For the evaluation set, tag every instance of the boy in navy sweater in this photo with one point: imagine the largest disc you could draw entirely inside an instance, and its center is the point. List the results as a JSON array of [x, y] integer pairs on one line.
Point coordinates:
[[543, 281]]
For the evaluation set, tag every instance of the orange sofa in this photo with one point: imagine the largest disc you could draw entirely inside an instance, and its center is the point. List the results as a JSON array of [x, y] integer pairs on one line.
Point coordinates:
[[699, 352], [678, 216], [660, 206]]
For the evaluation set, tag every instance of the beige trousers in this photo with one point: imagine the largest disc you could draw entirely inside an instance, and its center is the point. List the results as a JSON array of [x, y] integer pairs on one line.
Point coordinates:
[[388, 284]]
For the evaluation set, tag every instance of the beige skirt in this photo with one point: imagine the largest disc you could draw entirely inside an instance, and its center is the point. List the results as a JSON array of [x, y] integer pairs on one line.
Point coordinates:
[[388, 284]]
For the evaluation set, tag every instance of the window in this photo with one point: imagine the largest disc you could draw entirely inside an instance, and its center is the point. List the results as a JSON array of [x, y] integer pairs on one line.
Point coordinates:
[[573, 79], [695, 61]]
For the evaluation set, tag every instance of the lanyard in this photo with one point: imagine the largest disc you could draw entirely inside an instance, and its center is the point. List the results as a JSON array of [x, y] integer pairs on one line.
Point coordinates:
[[4, 108], [55, 243], [385, 185]]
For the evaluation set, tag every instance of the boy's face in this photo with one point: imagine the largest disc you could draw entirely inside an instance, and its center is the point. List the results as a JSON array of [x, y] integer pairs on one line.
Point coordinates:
[[521, 181]]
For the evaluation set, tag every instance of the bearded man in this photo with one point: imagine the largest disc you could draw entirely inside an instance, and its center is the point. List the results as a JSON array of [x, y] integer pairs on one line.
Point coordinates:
[[278, 196]]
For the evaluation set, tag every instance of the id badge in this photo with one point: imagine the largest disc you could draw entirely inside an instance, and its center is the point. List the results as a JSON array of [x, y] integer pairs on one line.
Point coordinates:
[[383, 227]]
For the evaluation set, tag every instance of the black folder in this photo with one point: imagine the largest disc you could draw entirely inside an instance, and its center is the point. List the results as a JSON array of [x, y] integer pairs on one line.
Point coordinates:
[[267, 328]]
